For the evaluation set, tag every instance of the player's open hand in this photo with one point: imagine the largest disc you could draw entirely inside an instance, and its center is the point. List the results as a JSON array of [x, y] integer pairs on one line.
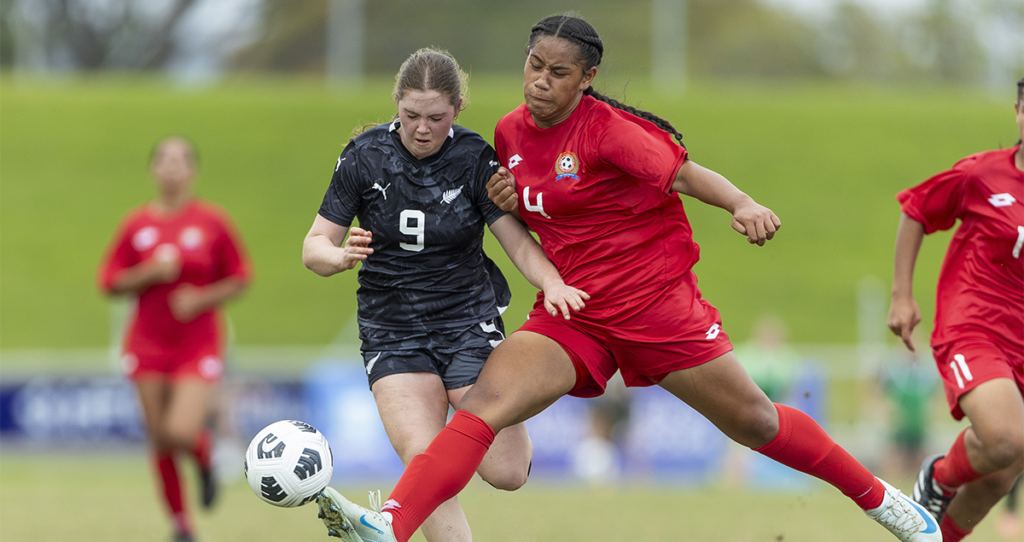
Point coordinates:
[[904, 315], [502, 190], [560, 298], [187, 302], [356, 248], [755, 221]]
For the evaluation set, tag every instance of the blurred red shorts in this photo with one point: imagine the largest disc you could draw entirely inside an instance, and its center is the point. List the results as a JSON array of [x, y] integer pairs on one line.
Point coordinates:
[[202, 361]]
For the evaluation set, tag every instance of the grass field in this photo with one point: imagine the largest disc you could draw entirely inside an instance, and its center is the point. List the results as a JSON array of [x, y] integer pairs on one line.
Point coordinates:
[[826, 157], [91, 498]]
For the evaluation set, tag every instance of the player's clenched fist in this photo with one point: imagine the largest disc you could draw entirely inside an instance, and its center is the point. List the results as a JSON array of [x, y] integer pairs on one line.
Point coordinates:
[[502, 190]]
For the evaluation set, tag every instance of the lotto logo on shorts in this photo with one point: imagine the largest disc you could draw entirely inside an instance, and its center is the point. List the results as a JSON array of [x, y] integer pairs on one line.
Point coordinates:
[[713, 331], [211, 367]]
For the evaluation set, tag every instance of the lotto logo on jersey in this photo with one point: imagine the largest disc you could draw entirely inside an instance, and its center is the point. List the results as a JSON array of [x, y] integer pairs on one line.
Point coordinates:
[[567, 165]]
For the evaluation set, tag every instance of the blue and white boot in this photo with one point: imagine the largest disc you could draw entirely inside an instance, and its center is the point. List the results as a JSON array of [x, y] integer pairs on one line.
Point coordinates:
[[353, 523], [906, 519]]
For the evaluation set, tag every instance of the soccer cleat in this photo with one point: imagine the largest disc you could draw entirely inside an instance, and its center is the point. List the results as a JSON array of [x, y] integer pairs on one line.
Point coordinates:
[[351, 522], [208, 485], [906, 519], [927, 492]]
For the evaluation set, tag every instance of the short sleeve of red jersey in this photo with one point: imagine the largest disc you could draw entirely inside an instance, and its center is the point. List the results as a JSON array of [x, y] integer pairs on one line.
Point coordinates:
[[939, 201], [119, 256], [231, 257], [641, 150], [486, 167], [343, 197]]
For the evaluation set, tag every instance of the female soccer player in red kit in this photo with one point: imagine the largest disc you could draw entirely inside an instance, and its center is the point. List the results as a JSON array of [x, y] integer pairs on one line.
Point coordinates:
[[180, 258], [978, 340], [596, 181]]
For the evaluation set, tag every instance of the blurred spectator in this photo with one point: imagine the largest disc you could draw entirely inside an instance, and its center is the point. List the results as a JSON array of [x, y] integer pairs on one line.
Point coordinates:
[[598, 458], [908, 386], [767, 357]]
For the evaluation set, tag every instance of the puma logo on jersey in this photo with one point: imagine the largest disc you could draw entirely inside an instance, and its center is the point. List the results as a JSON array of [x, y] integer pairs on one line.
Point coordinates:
[[377, 186], [1001, 200], [514, 161], [450, 195]]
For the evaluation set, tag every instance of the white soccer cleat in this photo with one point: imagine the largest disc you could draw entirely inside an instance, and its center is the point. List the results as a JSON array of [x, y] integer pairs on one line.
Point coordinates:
[[351, 522], [906, 519]]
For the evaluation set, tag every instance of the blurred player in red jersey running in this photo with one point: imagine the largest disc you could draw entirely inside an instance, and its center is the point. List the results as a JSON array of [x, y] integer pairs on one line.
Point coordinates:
[[978, 340], [181, 259], [597, 181]]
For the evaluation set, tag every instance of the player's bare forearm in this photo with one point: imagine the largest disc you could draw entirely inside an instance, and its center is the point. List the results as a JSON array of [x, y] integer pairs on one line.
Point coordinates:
[[708, 186], [326, 251], [138, 278], [529, 258], [904, 313], [909, 236], [749, 218]]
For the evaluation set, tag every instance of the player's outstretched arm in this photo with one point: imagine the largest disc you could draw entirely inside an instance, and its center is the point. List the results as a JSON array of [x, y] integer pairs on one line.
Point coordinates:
[[529, 258], [755, 221], [501, 189], [326, 252], [904, 314]]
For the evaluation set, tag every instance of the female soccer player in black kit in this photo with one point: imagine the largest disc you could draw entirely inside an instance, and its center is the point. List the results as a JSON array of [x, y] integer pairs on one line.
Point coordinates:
[[430, 300]]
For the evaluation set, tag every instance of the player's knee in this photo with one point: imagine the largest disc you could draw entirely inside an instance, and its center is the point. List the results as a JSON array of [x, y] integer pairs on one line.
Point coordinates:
[[510, 478], [1005, 449], [180, 437], [757, 425]]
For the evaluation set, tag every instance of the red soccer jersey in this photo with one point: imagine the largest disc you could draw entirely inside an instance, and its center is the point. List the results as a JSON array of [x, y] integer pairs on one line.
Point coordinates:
[[981, 284], [596, 189], [210, 251]]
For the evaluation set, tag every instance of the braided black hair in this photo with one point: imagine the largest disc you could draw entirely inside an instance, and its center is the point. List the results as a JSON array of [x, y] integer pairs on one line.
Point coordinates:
[[1020, 90], [589, 49]]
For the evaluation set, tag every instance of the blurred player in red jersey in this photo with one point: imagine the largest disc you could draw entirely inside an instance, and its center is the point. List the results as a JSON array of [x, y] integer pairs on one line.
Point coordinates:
[[597, 181], [978, 340], [180, 259]]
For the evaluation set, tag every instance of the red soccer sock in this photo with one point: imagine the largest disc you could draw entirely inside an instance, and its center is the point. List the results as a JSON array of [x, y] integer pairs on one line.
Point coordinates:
[[171, 485], [201, 449], [955, 470], [951, 532], [803, 445], [439, 473]]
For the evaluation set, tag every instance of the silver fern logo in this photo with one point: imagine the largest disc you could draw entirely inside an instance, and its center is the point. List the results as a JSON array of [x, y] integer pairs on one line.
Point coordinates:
[[450, 195]]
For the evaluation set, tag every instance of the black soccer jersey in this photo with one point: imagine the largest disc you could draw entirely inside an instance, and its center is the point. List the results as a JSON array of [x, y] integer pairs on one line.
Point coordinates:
[[428, 269]]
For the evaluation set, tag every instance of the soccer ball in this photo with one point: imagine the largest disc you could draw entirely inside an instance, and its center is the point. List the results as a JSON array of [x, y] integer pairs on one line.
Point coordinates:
[[288, 463]]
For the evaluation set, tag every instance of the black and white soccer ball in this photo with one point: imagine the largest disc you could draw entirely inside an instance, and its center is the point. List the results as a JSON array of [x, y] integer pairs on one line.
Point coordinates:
[[288, 463]]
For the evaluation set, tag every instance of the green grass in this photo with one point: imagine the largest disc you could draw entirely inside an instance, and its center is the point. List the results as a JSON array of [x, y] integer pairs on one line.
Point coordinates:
[[827, 158], [88, 498]]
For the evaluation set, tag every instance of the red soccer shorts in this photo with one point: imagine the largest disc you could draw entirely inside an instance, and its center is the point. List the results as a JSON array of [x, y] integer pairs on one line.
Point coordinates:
[[201, 361], [975, 358], [645, 338]]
